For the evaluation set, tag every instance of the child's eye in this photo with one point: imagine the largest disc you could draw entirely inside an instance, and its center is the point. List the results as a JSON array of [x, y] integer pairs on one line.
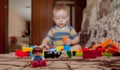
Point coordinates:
[[57, 17], [64, 17]]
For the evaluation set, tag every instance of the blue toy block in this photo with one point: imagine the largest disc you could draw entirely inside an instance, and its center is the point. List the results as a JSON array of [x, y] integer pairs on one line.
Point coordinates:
[[67, 47], [31, 55]]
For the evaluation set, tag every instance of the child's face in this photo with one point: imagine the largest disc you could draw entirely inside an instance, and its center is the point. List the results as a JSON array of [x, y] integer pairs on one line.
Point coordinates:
[[37, 53], [60, 18]]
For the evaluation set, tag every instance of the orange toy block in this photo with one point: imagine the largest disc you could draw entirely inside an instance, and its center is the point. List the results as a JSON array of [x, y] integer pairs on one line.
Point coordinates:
[[65, 38], [106, 43]]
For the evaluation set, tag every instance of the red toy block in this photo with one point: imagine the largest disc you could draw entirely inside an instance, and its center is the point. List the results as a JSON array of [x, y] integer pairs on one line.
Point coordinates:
[[20, 53], [99, 53], [87, 54], [86, 49], [100, 49], [93, 53]]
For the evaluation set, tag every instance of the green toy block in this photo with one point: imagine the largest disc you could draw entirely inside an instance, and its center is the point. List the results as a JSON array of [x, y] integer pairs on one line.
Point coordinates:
[[69, 54], [78, 54], [106, 54]]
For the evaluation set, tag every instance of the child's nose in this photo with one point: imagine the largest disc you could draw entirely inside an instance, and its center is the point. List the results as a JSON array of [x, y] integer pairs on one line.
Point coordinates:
[[61, 19]]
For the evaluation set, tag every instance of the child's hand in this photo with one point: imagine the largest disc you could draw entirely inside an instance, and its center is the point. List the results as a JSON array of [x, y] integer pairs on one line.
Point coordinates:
[[68, 42], [44, 45]]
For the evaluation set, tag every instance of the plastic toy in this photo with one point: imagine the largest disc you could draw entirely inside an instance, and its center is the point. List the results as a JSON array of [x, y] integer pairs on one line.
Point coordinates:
[[67, 47], [108, 46], [89, 53], [31, 55], [26, 49], [77, 53], [37, 59], [65, 38], [69, 54], [52, 53], [106, 54], [56, 52], [20, 53], [59, 48]]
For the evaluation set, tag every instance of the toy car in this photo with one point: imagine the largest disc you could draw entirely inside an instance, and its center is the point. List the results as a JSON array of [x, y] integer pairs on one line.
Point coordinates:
[[52, 53]]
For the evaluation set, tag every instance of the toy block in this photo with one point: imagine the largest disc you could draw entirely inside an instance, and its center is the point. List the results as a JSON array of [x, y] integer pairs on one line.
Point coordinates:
[[94, 47], [106, 54], [85, 49], [78, 54], [66, 47], [31, 55], [108, 41], [20, 53], [99, 52], [65, 38], [69, 54], [26, 49], [77, 51], [93, 54], [59, 48], [43, 53], [86, 54]]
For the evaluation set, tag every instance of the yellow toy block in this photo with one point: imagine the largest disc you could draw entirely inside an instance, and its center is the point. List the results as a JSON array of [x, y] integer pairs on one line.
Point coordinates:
[[77, 51], [26, 49], [59, 48], [43, 53]]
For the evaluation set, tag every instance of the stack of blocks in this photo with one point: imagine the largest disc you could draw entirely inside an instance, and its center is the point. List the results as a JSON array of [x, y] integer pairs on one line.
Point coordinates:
[[67, 49], [87, 53], [20, 53]]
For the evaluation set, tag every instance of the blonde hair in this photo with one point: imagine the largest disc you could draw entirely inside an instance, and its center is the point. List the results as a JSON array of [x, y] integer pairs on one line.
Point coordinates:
[[61, 7]]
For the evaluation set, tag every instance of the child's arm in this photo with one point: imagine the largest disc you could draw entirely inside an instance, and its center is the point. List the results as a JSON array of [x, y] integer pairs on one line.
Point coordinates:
[[75, 36], [45, 42], [47, 39], [75, 40]]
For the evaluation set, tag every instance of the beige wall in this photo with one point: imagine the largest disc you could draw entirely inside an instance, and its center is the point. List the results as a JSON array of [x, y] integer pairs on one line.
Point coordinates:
[[16, 24]]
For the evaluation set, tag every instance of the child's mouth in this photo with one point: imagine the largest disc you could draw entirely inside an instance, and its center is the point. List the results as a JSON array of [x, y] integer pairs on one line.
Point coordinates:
[[61, 24]]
